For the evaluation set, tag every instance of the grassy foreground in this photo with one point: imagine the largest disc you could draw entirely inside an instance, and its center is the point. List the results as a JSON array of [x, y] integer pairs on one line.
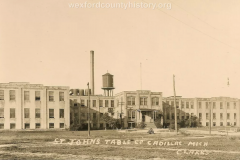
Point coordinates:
[[112, 144]]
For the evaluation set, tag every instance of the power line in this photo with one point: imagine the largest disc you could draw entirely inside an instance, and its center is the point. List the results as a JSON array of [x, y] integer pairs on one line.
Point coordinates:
[[194, 28]]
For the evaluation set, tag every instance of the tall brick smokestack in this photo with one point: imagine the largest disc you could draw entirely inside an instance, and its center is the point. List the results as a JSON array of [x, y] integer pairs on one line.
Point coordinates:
[[92, 71]]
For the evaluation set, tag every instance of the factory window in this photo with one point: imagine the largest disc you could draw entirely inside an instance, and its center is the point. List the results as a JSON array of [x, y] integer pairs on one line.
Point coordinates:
[[228, 115], [106, 103], [100, 103], [101, 115], [82, 102], [206, 103], [26, 113], [143, 101], [187, 104], [192, 105], [112, 103], [129, 114], [37, 113], [221, 115], [37, 96], [227, 103], [155, 101], [51, 113], [167, 116], [207, 123], [207, 116], [61, 96], [234, 105], [214, 115], [1, 125], [12, 95], [182, 105], [172, 103], [37, 125], [133, 114], [27, 125], [61, 125], [214, 123], [94, 116], [12, 125], [172, 115], [61, 113], [200, 105], [235, 123], [200, 116], [1, 112], [235, 115], [221, 123], [221, 105], [51, 96], [75, 103], [228, 123], [1, 94], [214, 105], [182, 117], [187, 116], [131, 101], [26, 96], [51, 125], [12, 112], [94, 103]]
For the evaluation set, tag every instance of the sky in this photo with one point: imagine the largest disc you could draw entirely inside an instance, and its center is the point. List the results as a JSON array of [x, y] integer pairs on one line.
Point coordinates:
[[49, 42]]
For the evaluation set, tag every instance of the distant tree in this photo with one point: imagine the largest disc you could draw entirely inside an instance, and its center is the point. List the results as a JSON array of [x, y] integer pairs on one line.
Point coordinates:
[[109, 120], [191, 122]]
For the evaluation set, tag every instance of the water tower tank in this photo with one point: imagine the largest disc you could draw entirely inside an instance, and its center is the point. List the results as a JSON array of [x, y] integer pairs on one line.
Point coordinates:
[[108, 84], [107, 80]]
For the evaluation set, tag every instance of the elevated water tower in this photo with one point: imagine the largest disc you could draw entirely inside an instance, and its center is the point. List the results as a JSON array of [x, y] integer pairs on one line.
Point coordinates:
[[108, 84]]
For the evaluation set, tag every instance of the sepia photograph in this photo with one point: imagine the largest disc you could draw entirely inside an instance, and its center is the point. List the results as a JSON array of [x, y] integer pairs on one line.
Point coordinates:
[[120, 79]]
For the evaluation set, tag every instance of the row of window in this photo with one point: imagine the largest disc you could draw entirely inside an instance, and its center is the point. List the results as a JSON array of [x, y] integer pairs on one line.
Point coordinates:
[[200, 104], [94, 103], [221, 124], [214, 105], [188, 104], [27, 113], [27, 125], [221, 116], [143, 101], [200, 116], [12, 94]]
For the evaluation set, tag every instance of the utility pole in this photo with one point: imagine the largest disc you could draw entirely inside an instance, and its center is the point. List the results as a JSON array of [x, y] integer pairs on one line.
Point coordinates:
[[88, 111], [121, 103], [175, 103], [210, 118]]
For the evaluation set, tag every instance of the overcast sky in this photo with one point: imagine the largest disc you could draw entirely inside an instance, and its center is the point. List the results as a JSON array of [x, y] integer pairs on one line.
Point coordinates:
[[47, 42]]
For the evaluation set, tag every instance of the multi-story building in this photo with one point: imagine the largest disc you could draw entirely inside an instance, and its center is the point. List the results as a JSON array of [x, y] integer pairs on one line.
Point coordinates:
[[129, 107], [33, 106], [98, 106], [223, 111], [138, 106]]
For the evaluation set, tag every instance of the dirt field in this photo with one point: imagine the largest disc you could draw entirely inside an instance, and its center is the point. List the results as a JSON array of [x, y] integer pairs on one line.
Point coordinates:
[[112, 144]]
